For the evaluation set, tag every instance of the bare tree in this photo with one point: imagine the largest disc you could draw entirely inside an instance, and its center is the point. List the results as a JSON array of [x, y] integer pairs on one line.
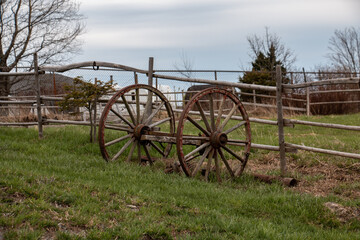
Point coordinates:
[[49, 28], [271, 42], [185, 67], [344, 49]]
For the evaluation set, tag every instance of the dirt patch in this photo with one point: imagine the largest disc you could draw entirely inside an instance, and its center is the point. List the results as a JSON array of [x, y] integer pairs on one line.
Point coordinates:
[[11, 197], [320, 179], [343, 214]]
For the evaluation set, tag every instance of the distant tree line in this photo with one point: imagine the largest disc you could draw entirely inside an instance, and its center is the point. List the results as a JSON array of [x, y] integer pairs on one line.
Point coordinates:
[[268, 51]]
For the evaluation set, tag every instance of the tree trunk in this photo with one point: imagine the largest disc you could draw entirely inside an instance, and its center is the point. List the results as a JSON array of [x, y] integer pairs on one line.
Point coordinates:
[[91, 125], [4, 92], [94, 122]]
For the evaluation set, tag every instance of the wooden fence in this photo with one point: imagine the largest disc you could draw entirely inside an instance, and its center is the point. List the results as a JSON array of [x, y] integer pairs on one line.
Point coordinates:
[[279, 91]]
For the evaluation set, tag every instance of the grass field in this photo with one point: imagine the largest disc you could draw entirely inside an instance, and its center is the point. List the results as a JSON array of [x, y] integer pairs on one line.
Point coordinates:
[[61, 188]]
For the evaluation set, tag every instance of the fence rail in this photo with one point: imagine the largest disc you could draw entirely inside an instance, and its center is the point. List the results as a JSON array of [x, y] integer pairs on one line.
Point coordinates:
[[273, 101]]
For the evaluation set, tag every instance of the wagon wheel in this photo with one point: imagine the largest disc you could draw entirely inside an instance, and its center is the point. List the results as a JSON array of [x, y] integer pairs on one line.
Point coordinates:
[[125, 119], [218, 120]]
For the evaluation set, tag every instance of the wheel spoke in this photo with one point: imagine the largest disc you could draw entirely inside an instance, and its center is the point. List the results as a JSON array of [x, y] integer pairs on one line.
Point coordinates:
[[148, 154], [119, 128], [240, 169], [159, 122], [131, 152], [226, 162], [137, 106], [157, 148], [198, 126], [191, 158], [235, 127], [212, 117], [220, 111], [138, 151], [123, 149], [148, 120], [199, 164], [233, 153], [203, 116], [228, 117], [128, 109], [122, 118], [124, 111], [217, 167], [208, 167], [117, 140], [196, 150]]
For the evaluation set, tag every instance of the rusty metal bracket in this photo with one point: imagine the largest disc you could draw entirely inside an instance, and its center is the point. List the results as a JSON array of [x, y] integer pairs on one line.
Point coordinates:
[[95, 67], [287, 123]]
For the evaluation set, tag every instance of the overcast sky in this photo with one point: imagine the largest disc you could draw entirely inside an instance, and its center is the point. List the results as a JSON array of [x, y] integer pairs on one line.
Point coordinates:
[[212, 34]]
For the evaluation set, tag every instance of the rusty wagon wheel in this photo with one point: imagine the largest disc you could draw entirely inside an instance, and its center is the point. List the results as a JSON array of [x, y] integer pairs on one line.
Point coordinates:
[[218, 121], [128, 117]]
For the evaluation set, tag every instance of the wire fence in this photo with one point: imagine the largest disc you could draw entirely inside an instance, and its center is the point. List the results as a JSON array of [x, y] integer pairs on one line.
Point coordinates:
[[338, 99], [23, 107]]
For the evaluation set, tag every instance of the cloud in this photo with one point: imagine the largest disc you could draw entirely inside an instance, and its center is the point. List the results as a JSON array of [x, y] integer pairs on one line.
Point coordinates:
[[179, 25], [205, 26]]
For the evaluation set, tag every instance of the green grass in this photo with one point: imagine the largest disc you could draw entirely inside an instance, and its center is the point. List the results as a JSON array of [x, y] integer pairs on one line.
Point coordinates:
[[61, 188], [333, 139]]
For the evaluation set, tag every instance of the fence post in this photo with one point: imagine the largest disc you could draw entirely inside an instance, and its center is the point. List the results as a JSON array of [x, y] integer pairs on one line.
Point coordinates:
[[280, 121], [307, 101], [254, 97], [175, 100], [95, 115], [215, 74], [148, 107], [38, 97], [358, 95], [307, 95], [151, 71], [157, 87], [183, 98]]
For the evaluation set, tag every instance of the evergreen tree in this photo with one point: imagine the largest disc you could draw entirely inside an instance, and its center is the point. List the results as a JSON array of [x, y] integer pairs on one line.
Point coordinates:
[[263, 71]]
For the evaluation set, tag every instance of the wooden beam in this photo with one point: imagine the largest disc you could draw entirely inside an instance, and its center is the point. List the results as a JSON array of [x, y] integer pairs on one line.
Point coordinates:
[[280, 121]]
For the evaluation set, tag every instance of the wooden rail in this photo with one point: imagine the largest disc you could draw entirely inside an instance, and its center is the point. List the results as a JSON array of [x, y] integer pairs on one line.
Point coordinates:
[[280, 91]]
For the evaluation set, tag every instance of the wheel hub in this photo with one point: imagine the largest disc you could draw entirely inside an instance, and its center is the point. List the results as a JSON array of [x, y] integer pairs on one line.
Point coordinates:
[[139, 130], [218, 139]]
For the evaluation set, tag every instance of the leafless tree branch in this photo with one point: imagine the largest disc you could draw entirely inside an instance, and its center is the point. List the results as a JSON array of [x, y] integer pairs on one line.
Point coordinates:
[[264, 43], [185, 64], [49, 28], [344, 49]]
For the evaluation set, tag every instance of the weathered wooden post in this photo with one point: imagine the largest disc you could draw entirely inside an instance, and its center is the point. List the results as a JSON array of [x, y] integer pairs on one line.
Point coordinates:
[[307, 95], [356, 74], [254, 98], [175, 100], [280, 121], [307, 101], [95, 115], [137, 99], [148, 108], [38, 96], [151, 71], [183, 98], [157, 87]]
